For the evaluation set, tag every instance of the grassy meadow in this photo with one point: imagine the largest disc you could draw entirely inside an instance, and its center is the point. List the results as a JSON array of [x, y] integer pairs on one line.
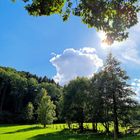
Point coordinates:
[[52, 132]]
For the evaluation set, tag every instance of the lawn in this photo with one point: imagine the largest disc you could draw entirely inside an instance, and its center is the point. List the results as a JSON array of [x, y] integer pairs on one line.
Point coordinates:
[[52, 132]]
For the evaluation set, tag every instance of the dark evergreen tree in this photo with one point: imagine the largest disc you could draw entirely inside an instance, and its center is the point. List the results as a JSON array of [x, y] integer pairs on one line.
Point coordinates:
[[117, 91]]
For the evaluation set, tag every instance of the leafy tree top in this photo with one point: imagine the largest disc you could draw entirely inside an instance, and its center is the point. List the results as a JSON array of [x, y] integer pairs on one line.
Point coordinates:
[[114, 17]]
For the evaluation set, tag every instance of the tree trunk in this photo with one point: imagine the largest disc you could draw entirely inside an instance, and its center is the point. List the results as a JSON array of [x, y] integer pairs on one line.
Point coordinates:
[[69, 125], [107, 128], [1, 89], [2, 98], [94, 127], [81, 127], [44, 125], [106, 125], [116, 128], [116, 131]]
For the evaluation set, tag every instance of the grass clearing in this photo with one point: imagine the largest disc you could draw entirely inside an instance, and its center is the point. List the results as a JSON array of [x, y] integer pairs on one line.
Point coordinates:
[[52, 132]]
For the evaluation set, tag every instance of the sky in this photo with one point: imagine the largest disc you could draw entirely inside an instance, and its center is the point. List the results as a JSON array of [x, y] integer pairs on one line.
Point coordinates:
[[61, 50]]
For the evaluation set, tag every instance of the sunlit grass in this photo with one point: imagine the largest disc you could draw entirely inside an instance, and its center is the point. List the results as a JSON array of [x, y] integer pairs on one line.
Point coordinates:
[[52, 132]]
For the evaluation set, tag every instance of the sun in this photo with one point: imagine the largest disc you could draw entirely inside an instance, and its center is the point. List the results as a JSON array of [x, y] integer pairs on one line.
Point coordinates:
[[104, 44]]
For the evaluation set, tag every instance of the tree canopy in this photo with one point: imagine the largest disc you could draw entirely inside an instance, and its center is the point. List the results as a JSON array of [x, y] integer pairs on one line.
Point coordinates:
[[75, 99], [46, 110], [117, 91], [114, 17], [105, 98], [21, 94]]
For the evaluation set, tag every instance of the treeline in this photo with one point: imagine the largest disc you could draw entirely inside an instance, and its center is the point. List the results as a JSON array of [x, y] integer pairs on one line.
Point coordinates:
[[19, 91], [105, 98]]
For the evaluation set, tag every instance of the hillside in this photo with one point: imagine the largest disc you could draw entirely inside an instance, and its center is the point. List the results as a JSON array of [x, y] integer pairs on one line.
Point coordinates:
[[18, 88]]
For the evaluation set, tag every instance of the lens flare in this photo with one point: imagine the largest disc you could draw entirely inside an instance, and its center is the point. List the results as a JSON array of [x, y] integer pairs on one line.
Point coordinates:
[[104, 43]]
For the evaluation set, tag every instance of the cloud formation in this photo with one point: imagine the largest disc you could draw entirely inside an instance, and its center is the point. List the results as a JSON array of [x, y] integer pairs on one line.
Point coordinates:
[[84, 62], [72, 63]]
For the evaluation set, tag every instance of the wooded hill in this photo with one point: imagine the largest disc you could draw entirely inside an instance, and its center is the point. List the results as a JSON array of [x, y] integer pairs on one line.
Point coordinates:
[[18, 89]]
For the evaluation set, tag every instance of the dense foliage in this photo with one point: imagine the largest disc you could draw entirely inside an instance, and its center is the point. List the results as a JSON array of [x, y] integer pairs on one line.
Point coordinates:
[[75, 100], [106, 98], [46, 110], [114, 17], [21, 93]]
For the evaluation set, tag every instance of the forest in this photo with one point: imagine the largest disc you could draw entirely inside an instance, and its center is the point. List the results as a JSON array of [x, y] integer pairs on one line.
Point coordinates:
[[106, 98]]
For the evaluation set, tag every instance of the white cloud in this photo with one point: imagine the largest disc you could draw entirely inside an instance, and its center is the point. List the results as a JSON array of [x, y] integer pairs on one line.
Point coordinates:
[[72, 63], [126, 51], [136, 87]]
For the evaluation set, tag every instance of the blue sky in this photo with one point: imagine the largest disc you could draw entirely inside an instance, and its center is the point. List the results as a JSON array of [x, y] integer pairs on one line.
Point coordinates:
[[48, 46], [26, 42]]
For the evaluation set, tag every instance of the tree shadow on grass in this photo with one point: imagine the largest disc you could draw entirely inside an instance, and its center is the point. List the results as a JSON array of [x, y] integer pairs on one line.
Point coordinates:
[[24, 130], [8, 125], [69, 135]]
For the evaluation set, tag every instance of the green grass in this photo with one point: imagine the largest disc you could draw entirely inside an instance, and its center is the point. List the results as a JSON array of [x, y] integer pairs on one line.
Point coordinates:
[[53, 132]]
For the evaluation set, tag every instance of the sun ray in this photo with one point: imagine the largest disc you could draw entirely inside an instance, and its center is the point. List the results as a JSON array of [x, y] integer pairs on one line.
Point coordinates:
[[104, 43]]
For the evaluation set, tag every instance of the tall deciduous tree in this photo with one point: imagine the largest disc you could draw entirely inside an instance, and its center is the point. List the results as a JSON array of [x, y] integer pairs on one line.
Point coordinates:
[[46, 110], [75, 100], [98, 108], [29, 111], [55, 92]]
